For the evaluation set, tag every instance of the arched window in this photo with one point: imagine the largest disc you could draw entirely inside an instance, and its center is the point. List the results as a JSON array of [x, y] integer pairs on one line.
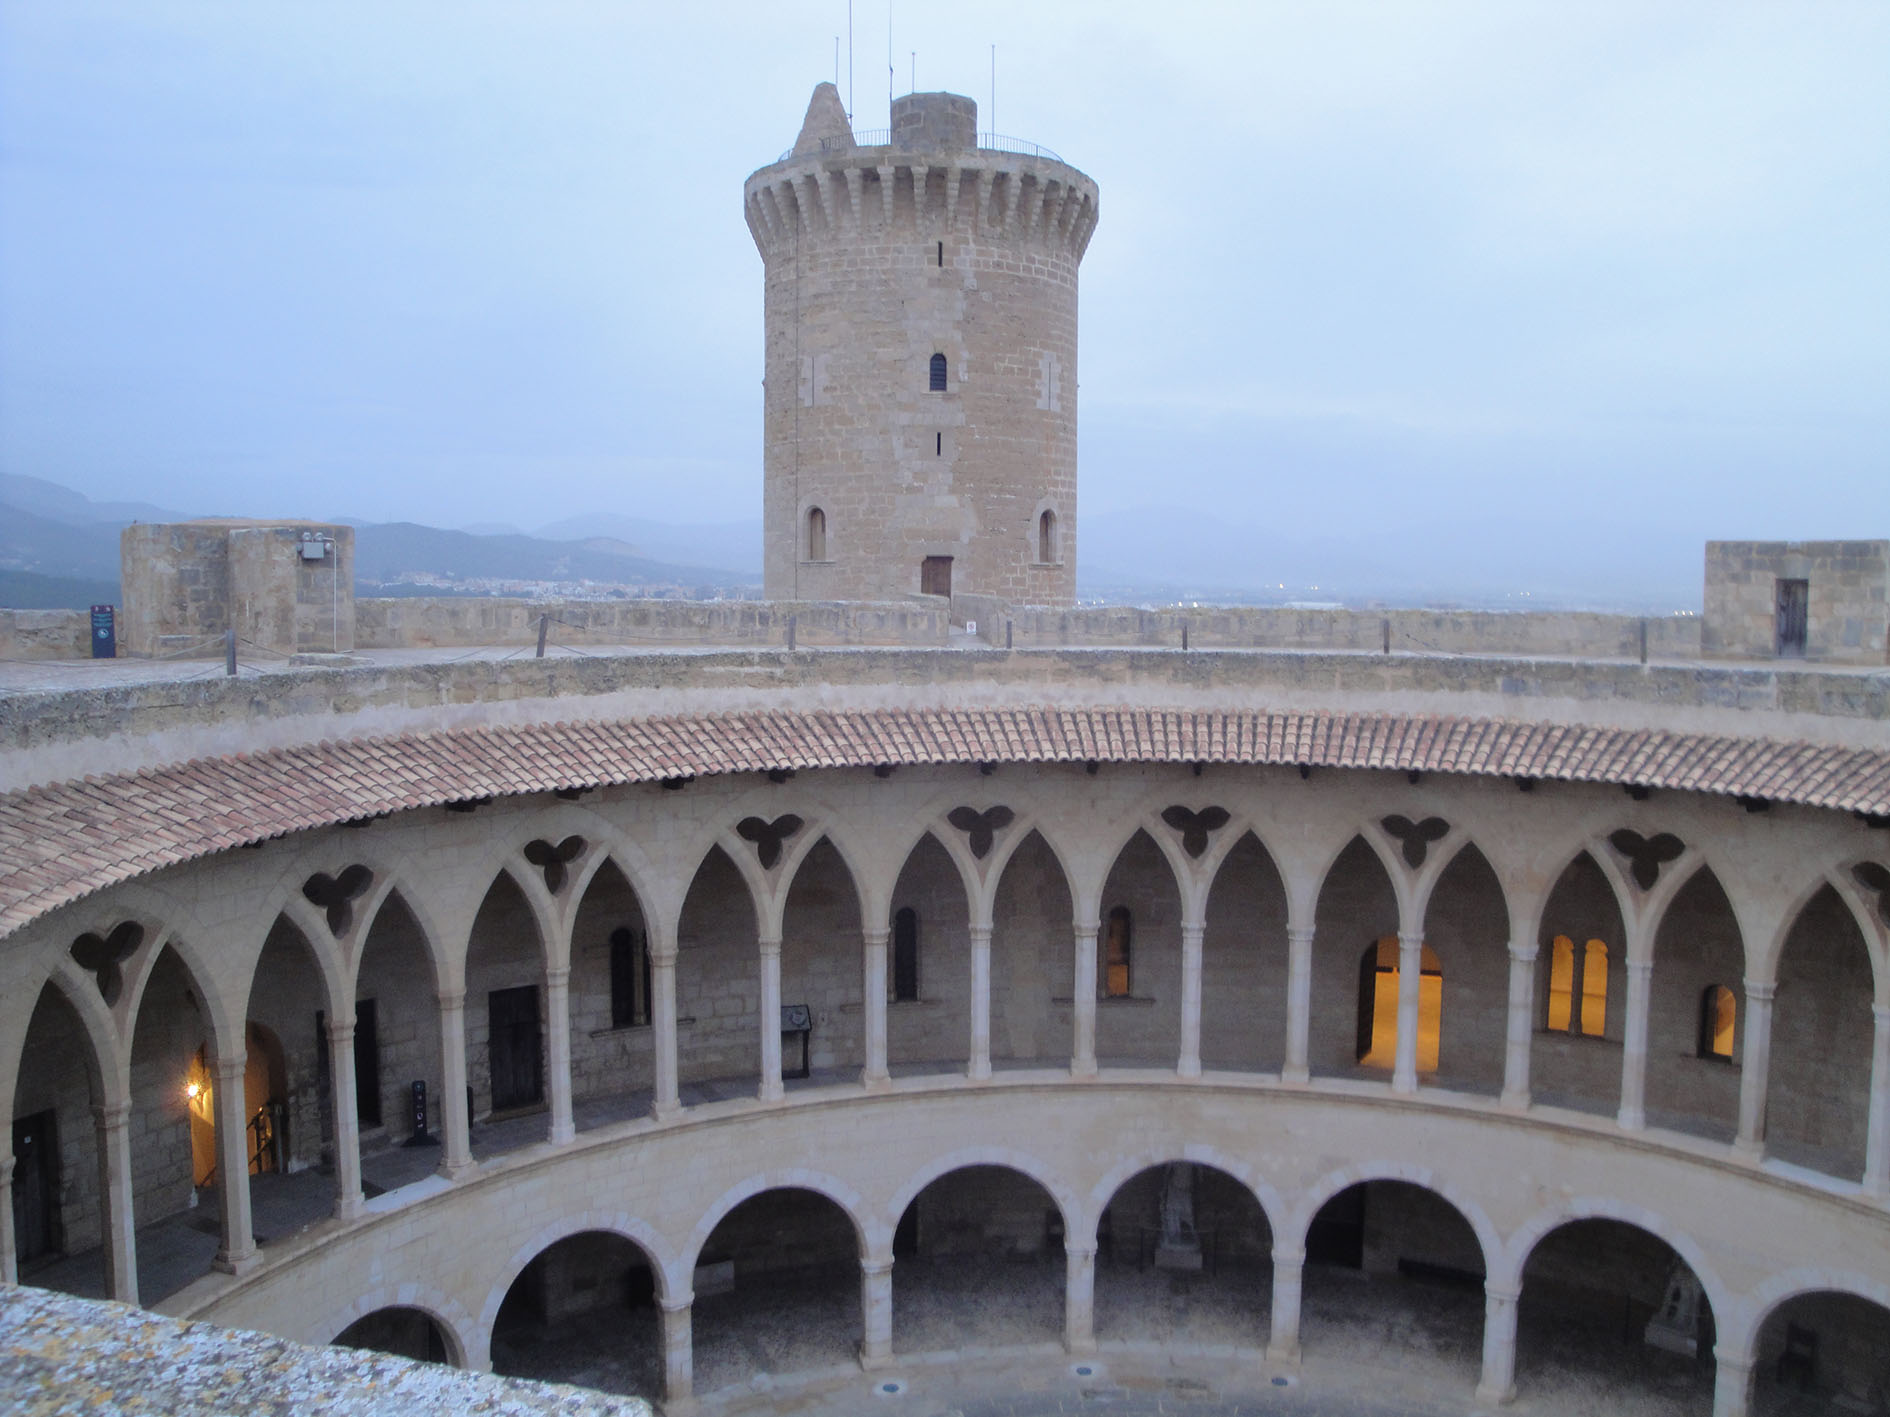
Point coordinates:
[[1378, 1005], [1118, 954], [1047, 537], [1564, 988], [816, 534], [1719, 1018], [906, 955], [938, 373]]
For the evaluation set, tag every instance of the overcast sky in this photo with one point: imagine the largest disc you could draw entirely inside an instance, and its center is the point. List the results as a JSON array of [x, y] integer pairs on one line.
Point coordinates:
[[1599, 281]]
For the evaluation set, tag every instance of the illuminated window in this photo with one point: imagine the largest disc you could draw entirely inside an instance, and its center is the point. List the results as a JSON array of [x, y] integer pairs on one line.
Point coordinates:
[[1719, 1017], [1595, 989], [938, 373], [1592, 1020], [816, 534], [1561, 982], [1117, 954], [1378, 1006]]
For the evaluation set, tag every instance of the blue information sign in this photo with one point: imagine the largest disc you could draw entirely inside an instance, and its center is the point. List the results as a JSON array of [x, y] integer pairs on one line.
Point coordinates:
[[104, 633]]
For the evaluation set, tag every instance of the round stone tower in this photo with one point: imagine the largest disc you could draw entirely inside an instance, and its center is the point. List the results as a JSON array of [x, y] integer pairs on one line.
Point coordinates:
[[921, 358]]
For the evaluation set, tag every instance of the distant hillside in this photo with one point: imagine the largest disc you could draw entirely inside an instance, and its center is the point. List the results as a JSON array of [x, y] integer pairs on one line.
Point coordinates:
[[386, 551], [58, 548], [733, 545]]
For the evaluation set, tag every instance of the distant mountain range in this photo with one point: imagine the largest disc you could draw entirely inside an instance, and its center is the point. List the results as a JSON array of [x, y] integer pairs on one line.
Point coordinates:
[[58, 548]]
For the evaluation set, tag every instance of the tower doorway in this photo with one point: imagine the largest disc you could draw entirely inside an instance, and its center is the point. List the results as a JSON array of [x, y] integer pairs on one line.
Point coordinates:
[[515, 1041], [35, 1187], [935, 576]]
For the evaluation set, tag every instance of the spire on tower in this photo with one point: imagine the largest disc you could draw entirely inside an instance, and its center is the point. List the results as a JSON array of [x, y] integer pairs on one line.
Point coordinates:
[[825, 127]]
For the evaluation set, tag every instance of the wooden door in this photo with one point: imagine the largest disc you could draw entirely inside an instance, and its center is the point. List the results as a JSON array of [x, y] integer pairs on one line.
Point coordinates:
[[513, 1045], [935, 576], [35, 1187], [1794, 615]]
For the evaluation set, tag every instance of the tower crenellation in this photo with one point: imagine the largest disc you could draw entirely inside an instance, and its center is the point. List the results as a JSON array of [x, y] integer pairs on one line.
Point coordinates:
[[921, 293]]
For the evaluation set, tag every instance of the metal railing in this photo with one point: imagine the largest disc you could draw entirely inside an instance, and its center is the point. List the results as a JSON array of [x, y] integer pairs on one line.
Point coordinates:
[[882, 137]]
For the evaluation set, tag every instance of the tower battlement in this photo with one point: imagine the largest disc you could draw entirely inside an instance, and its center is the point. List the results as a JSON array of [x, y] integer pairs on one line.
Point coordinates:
[[921, 357]]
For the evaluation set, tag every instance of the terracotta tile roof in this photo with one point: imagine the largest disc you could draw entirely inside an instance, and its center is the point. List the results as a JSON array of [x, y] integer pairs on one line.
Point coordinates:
[[64, 841]]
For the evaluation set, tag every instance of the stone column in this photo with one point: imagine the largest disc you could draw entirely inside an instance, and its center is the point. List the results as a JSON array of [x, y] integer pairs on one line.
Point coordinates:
[[1633, 1114], [678, 1360], [1083, 1002], [979, 1068], [9, 1244], [1079, 1298], [342, 1085], [876, 1311], [1877, 1142], [668, 1101], [115, 1206], [1299, 940], [770, 1020], [1522, 1024], [1189, 1065], [1410, 968], [1498, 1383], [558, 1053], [1755, 1068], [874, 1075], [456, 1123], [1732, 1385], [237, 1254], [1283, 1343]]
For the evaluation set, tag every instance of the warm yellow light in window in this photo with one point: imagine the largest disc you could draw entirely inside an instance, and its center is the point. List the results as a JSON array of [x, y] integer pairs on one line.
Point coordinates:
[[1383, 1052], [1116, 955], [1725, 1014], [1561, 982], [1595, 989]]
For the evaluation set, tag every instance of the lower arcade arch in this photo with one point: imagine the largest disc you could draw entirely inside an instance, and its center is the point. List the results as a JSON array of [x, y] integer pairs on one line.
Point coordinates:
[[1184, 1256], [584, 1310], [978, 1260], [1822, 1035], [1394, 1272], [776, 1289], [405, 1332], [1610, 1309], [1822, 1350], [59, 1200]]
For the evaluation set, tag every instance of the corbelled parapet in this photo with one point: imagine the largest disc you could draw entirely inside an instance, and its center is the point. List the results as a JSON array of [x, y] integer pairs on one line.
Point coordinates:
[[929, 172]]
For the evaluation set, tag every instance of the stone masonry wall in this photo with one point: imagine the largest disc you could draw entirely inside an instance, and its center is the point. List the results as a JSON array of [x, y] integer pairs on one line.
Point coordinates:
[[461, 621], [1848, 619]]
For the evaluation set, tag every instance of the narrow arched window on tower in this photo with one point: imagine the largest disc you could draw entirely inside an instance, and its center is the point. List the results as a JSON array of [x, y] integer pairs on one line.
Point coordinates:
[[1047, 538], [938, 373], [816, 534]]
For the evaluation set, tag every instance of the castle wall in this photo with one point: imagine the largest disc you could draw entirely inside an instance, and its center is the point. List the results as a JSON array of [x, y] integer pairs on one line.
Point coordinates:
[[1848, 619]]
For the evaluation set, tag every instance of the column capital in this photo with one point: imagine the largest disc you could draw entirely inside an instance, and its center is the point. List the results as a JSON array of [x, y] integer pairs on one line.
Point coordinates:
[[1411, 940], [1295, 1257], [451, 998], [1299, 934], [1082, 1254], [230, 1066], [1641, 969], [663, 956], [559, 978], [1086, 929], [770, 945], [981, 934], [1523, 951], [676, 1303], [1881, 1013], [1741, 1366], [112, 1114], [874, 1268], [1193, 929], [1501, 1293], [875, 935], [340, 1031], [1761, 991]]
